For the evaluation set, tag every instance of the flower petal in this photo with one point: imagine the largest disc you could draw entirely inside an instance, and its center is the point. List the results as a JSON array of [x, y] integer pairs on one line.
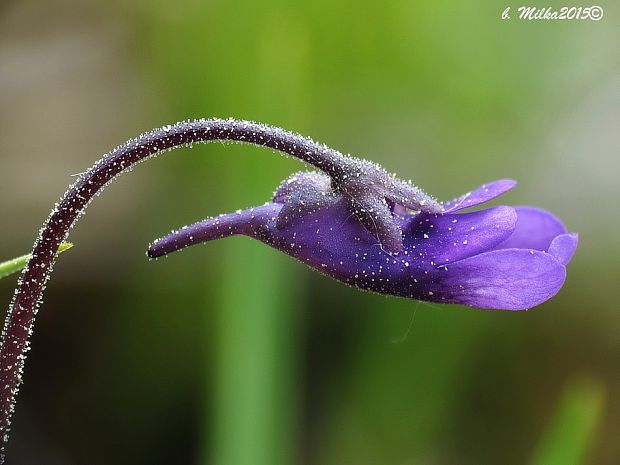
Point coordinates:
[[508, 279], [535, 229], [563, 247], [480, 195], [334, 242], [432, 240]]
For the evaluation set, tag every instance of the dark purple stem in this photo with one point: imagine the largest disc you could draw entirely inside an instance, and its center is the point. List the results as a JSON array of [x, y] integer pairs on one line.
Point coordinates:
[[20, 319]]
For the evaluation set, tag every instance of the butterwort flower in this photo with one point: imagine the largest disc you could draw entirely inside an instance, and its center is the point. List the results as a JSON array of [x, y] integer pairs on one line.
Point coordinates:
[[510, 258], [352, 221]]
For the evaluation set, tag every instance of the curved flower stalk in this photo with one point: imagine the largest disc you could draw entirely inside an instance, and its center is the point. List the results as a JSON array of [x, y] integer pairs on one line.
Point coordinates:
[[355, 222]]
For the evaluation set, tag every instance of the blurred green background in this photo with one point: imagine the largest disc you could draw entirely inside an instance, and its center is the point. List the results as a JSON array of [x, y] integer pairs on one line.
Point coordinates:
[[232, 353]]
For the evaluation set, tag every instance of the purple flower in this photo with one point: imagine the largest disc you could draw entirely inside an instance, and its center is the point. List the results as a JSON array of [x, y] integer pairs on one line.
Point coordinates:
[[355, 222], [510, 258]]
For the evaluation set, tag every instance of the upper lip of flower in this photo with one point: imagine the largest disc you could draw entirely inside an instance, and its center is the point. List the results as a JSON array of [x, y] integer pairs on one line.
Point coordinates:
[[503, 257]]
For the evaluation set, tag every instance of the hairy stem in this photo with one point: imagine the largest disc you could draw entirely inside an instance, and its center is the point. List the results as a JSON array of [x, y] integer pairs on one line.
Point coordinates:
[[20, 319]]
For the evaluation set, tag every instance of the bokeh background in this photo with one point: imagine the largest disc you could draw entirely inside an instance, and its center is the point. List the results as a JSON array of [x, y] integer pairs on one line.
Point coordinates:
[[231, 353]]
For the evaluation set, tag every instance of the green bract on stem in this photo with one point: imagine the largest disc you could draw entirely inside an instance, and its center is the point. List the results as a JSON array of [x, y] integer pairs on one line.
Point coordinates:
[[9, 267]]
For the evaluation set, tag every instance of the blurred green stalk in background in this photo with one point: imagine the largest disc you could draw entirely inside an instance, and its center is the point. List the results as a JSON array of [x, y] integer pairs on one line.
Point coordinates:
[[254, 408], [570, 434], [254, 396]]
